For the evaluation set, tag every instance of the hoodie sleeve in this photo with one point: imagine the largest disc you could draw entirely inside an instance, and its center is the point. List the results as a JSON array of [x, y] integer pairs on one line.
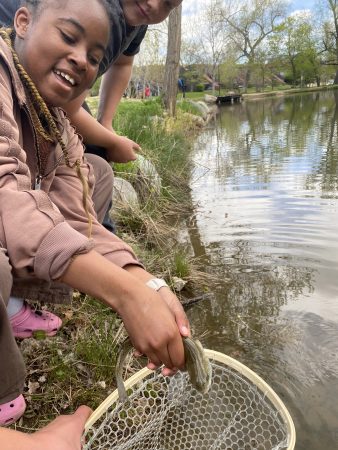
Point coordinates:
[[67, 191]]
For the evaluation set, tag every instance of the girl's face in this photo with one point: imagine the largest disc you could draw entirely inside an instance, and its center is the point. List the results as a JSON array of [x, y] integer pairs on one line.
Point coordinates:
[[61, 47], [147, 12]]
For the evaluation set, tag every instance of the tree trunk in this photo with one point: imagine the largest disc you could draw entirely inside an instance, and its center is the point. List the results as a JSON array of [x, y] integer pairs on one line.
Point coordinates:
[[336, 78], [247, 79], [172, 61], [294, 74]]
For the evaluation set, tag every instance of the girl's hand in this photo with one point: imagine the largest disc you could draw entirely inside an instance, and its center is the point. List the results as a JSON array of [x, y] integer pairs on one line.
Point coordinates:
[[151, 325], [177, 309], [64, 433], [156, 322], [181, 320]]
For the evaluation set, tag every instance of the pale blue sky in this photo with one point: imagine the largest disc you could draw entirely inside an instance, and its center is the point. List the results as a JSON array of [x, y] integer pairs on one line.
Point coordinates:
[[192, 6], [302, 4]]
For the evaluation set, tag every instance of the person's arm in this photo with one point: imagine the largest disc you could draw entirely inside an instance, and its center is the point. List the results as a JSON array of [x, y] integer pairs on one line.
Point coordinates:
[[114, 83], [111, 272], [118, 148], [63, 433], [100, 132], [154, 326]]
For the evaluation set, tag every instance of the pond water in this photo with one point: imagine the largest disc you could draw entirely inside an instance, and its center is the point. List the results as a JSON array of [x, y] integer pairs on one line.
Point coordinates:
[[265, 224]]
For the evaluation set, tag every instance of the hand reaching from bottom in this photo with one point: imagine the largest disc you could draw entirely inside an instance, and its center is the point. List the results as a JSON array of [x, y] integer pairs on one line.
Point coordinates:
[[64, 433]]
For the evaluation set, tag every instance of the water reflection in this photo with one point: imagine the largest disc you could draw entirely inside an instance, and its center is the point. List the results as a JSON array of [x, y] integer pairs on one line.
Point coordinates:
[[266, 209], [326, 174]]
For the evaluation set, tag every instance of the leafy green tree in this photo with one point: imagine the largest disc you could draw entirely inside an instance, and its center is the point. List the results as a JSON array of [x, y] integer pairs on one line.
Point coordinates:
[[330, 34], [213, 38], [229, 72], [294, 46], [249, 24], [206, 40]]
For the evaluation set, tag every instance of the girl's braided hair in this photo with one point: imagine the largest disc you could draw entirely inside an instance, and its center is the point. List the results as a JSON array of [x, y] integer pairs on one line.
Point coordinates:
[[43, 120]]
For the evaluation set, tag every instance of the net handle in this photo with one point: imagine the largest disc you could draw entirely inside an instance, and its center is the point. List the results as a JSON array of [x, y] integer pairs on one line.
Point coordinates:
[[227, 361]]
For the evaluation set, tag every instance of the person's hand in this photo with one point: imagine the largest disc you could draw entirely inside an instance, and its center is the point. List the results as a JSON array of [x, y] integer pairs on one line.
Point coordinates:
[[177, 309], [180, 317], [121, 149], [151, 325], [162, 301], [64, 433]]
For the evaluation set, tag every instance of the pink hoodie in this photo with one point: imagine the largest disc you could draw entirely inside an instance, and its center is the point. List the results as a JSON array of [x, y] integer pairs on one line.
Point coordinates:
[[43, 229]]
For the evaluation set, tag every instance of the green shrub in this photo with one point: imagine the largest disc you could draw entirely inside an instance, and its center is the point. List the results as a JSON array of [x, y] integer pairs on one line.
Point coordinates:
[[199, 87]]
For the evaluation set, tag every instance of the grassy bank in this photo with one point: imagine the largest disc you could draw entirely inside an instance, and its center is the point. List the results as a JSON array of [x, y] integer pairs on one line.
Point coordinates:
[[77, 366]]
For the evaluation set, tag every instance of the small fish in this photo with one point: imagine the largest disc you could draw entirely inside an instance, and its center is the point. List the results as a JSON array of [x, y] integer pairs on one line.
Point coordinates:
[[197, 365], [196, 362]]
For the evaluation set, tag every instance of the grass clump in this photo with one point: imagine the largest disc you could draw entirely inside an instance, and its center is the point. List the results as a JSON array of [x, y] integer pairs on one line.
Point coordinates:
[[167, 148], [153, 224], [181, 264], [190, 107]]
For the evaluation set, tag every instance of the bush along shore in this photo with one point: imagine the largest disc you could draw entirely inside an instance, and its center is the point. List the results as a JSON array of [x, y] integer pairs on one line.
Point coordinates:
[[77, 365]]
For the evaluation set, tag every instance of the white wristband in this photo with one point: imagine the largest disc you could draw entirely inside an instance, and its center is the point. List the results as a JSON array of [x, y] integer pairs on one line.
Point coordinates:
[[156, 283]]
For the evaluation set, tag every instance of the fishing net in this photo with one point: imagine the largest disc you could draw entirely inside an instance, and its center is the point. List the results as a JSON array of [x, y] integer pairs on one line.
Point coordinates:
[[239, 412]]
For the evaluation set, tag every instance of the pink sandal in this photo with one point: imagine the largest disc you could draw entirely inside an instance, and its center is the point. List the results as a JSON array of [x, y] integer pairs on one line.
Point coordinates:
[[27, 323], [11, 411]]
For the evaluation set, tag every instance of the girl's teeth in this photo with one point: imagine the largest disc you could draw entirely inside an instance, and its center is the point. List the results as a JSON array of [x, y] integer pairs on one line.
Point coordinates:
[[67, 77]]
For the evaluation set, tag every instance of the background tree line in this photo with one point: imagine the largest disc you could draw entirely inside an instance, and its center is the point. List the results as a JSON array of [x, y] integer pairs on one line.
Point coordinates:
[[245, 43]]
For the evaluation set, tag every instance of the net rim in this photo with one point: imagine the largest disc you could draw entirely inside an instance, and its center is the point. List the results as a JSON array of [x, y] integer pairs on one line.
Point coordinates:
[[226, 360]]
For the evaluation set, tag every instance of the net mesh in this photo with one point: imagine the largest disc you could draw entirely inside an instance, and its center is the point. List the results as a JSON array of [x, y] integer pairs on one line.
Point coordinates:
[[164, 413]]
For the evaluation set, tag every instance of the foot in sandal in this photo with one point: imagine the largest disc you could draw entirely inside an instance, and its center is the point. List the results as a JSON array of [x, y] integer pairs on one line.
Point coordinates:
[[27, 323], [11, 411]]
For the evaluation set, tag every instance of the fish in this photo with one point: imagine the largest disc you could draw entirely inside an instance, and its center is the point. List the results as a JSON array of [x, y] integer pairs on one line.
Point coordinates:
[[197, 364]]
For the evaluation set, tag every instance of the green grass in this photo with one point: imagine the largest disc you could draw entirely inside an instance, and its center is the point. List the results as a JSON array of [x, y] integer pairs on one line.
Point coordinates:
[[181, 264], [189, 107], [162, 142], [75, 367]]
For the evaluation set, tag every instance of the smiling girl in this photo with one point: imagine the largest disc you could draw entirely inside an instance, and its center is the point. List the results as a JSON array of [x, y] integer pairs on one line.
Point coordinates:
[[50, 57]]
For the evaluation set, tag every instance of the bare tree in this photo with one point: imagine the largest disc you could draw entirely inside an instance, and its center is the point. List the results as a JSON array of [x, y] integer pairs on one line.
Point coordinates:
[[173, 60], [213, 39], [149, 62]]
